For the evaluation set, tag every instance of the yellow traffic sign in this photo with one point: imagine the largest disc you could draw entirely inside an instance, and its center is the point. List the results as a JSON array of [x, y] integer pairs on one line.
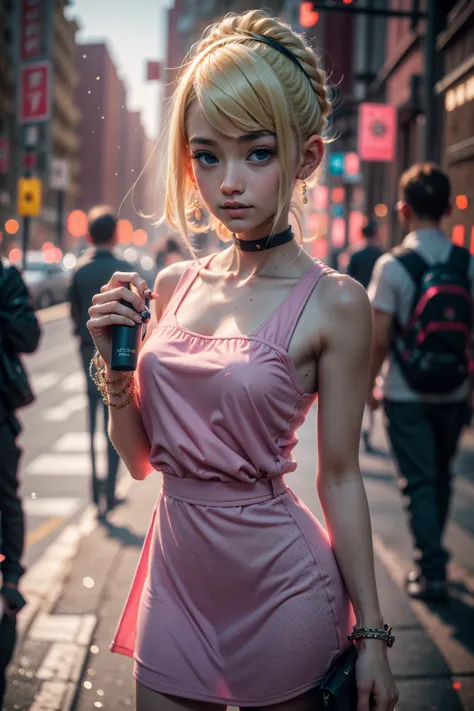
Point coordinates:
[[29, 197]]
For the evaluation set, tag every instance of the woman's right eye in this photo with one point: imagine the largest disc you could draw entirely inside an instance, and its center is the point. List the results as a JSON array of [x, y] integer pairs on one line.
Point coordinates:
[[204, 158]]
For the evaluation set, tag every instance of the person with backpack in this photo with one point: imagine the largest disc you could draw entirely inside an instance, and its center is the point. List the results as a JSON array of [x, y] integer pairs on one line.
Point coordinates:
[[19, 333], [421, 295]]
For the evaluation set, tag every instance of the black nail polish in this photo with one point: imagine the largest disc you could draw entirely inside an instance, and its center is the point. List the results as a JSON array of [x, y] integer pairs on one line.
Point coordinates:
[[146, 315]]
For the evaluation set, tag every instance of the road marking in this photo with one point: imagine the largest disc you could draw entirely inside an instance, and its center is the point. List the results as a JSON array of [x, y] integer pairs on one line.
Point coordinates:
[[73, 382], [45, 356], [78, 464], [54, 506], [45, 381], [44, 530], [53, 313], [62, 412], [79, 442]]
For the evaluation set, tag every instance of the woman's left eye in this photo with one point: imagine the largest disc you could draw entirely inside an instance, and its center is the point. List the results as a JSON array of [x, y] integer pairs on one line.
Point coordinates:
[[262, 155]]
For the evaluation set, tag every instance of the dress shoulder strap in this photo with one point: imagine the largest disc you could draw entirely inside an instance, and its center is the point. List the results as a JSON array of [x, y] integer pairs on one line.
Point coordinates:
[[280, 325], [187, 278]]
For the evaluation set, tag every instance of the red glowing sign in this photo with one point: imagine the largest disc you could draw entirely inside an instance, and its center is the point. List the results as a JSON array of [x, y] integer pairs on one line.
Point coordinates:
[[377, 130], [356, 222], [321, 197], [308, 16], [34, 94], [338, 232], [32, 29]]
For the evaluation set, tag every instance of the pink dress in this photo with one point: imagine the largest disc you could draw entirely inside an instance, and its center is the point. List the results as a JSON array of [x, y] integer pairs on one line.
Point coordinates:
[[237, 598]]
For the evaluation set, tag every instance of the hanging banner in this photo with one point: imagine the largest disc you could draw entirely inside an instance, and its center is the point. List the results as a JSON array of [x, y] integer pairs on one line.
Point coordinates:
[[377, 132], [34, 96], [32, 29]]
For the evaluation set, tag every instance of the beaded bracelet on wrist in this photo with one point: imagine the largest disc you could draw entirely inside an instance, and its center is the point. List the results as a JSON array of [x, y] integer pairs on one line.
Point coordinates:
[[101, 382], [384, 633]]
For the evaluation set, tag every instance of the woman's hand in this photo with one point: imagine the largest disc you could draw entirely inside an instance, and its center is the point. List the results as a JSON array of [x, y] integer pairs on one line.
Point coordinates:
[[106, 309], [375, 684]]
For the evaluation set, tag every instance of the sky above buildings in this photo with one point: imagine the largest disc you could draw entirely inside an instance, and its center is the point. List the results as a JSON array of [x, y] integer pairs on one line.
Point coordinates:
[[134, 31]]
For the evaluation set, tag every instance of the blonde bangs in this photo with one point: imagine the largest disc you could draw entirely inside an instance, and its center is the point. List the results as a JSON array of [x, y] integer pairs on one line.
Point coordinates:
[[238, 92]]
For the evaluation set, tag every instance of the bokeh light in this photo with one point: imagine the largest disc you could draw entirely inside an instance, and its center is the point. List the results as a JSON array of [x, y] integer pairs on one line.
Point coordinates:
[[12, 227], [77, 223], [462, 202], [15, 255], [381, 210], [69, 261], [140, 237], [124, 231]]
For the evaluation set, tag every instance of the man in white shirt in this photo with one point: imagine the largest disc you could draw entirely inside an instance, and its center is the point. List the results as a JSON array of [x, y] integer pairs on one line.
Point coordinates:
[[423, 427]]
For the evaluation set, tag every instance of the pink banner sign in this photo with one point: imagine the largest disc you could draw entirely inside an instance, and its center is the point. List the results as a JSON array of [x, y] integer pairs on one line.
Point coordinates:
[[377, 132]]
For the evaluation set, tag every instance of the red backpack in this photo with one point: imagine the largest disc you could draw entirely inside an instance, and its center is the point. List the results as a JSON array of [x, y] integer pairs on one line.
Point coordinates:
[[434, 348]]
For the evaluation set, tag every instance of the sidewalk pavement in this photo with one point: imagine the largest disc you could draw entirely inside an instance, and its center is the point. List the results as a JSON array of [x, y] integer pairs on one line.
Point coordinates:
[[63, 662]]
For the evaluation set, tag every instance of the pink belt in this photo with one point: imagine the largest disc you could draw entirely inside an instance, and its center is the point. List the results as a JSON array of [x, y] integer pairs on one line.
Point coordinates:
[[208, 492]]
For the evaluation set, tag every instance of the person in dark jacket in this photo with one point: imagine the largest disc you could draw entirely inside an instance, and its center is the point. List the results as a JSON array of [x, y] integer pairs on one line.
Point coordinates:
[[362, 261], [360, 267], [95, 268], [19, 333]]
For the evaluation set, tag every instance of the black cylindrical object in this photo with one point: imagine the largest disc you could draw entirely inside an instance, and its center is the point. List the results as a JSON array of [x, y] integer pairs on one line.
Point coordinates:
[[125, 344]]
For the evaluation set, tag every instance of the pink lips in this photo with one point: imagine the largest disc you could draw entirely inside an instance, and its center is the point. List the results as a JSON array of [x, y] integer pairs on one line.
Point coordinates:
[[235, 209]]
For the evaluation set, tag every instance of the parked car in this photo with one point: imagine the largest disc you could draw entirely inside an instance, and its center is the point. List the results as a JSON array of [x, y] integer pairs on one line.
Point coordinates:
[[47, 282]]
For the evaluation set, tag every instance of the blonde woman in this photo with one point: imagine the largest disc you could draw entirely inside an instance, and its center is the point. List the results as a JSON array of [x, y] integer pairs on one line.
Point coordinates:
[[240, 597]]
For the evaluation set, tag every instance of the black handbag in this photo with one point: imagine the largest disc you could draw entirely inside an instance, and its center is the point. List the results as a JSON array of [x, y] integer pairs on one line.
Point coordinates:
[[338, 690], [15, 387]]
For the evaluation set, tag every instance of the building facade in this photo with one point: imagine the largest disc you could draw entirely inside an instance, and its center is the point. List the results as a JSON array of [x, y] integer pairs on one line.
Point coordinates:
[[100, 94], [456, 89]]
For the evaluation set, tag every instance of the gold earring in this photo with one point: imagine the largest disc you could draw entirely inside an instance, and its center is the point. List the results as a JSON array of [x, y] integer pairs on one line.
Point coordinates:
[[304, 199], [197, 209]]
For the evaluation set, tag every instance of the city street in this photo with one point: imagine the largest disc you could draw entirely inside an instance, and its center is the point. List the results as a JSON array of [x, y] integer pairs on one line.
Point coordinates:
[[80, 572]]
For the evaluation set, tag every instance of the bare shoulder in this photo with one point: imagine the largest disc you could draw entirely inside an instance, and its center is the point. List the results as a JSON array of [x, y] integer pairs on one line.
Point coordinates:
[[166, 282], [344, 304]]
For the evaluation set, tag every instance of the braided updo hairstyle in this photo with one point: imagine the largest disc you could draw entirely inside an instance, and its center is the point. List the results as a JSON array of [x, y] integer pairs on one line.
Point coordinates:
[[242, 84]]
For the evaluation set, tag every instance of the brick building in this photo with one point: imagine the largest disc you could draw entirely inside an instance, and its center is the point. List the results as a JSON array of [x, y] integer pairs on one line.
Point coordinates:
[[58, 137], [456, 88], [100, 95]]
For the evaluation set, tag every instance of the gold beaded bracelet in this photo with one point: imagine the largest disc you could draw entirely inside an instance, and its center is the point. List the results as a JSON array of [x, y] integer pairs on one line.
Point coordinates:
[[101, 383]]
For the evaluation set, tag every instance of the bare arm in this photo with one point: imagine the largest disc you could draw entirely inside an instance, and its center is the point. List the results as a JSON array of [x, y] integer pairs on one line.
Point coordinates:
[[343, 367], [126, 429], [382, 330], [343, 378]]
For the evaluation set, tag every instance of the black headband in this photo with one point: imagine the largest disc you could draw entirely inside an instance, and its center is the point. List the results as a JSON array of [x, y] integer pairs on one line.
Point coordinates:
[[279, 48]]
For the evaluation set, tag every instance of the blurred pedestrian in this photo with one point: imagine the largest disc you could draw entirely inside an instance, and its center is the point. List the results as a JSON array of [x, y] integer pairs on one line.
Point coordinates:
[[19, 333], [235, 570], [360, 267], [94, 268], [363, 258], [422, 315]]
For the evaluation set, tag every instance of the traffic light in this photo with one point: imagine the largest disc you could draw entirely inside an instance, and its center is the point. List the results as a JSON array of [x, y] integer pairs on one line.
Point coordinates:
[[308, 16], [29, 197]]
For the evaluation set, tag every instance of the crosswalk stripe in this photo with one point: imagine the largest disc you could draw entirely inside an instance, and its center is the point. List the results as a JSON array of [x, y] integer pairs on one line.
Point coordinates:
[[62, 412], [51, 506], [45, 381], [74, 382], [79, 442], [57, 464]]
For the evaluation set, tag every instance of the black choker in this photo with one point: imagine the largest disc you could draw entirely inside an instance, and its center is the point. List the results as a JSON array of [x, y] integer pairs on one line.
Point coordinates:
[[259, 245]]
